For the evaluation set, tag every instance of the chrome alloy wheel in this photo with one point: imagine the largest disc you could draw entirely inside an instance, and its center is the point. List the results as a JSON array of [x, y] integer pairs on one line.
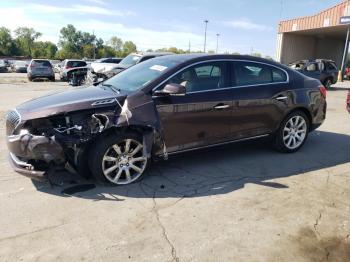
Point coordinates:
[[123, 163], [294, 132]]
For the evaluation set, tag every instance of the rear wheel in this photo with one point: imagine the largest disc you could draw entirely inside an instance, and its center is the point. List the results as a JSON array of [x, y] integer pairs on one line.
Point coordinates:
[[118, 160], [293, 132]]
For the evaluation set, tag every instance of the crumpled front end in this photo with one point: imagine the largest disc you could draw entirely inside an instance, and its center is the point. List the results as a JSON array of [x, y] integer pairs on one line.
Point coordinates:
[[30, 154], [36, 145]]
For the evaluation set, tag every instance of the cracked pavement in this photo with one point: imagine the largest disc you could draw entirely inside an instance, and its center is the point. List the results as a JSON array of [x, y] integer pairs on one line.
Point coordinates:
[[242, 202]]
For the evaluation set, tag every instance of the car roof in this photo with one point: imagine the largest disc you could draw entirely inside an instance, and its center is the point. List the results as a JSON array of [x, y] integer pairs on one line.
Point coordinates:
[[74, 60], [38, 59], [203, 56]]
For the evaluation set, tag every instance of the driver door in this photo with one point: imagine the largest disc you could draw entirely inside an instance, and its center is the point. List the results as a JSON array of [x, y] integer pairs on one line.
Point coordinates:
[[202, 116]]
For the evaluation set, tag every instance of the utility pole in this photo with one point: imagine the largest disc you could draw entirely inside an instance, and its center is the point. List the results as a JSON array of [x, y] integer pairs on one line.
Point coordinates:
[[189, 46], [345, 54], [217, 42], [205, 34], [93, 44]]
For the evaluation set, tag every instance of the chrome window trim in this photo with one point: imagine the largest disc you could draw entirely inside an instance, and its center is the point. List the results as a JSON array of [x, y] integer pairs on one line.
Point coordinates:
[[226, 88]]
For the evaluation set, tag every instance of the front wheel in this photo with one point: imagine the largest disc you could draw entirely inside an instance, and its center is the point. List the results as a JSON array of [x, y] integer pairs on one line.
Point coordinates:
[[118, 160], [292, 133]]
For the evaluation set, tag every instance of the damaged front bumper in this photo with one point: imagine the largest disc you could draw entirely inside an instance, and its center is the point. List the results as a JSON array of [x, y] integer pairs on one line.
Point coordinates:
[[31, 155], [26, 169]]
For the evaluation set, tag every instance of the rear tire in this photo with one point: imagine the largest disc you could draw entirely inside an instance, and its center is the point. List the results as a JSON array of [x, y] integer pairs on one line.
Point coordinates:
[[118, 159], [292, 133], [52, 79]]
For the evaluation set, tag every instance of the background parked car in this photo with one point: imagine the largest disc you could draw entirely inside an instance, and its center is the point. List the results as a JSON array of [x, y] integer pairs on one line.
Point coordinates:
[[324, 70], [105, 64], [3, 66], [348, 102], [40, 68], [20, 66], [69, 64]]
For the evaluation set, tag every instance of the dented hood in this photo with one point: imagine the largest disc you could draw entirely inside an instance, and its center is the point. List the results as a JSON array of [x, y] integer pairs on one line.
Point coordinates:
[[68, 101]]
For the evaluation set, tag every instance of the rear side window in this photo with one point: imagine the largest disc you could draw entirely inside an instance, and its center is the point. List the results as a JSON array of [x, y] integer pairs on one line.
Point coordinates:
[[331, 66], [250, 73]]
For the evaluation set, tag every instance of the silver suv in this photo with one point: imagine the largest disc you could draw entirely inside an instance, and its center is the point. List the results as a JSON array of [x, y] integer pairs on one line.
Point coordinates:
[[40, 68]]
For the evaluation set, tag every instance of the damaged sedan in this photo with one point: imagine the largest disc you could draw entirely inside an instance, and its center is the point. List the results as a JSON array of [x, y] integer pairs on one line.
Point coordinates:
[[163, 106]]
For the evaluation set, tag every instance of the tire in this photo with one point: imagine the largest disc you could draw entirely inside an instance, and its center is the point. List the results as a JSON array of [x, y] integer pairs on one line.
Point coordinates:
[[292, 135], [30, 79], [52, 79], [110, 161], [327, 83]]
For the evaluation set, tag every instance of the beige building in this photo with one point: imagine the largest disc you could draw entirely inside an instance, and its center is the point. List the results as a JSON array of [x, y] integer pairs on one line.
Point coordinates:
[[322, 35]]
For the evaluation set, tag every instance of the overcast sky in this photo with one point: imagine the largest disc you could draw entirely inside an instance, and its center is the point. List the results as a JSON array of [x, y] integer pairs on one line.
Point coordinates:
[[243, 25]]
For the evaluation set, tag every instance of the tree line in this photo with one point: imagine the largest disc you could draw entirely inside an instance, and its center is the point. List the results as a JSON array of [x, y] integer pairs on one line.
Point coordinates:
[[72, 43]]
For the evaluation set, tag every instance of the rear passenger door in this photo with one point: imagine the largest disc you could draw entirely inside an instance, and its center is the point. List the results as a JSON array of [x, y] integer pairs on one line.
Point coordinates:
[[260, 98]]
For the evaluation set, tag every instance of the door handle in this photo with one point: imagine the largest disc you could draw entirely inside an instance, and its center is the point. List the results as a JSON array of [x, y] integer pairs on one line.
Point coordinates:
[[221, 106], [281, 98]]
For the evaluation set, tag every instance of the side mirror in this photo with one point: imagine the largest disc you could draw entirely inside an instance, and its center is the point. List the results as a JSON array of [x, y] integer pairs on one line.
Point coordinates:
[[171, 90]]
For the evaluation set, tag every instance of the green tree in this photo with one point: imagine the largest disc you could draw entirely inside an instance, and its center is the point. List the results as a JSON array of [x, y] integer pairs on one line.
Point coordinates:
[[44, 50], [106, 51], [116, 43], [70, 42], [25, 38], [128, 47], [7, 45]]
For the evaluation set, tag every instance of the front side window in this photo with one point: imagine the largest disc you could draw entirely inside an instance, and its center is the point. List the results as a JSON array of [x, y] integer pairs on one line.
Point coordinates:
[[250, 73], [202, 77]]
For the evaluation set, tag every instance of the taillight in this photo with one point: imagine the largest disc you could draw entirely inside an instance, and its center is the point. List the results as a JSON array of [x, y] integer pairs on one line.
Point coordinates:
[[323, 91]]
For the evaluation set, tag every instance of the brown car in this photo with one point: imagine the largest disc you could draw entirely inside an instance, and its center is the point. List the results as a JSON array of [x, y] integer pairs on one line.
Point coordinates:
[[164, 106]]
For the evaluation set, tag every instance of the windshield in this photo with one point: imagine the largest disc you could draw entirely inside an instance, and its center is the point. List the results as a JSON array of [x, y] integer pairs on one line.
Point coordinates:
[[2, 62], [141, 74], [130, 60]]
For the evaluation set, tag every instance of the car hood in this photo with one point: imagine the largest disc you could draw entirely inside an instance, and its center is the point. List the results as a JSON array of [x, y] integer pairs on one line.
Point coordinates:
[[67, 101]]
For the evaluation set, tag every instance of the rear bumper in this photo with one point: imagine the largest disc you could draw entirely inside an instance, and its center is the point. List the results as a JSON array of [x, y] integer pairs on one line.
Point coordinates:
[[31, 75]]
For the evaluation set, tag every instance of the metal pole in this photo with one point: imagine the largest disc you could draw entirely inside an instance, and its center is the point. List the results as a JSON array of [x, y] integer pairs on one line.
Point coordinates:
[[217, 42], [205, 34], [345, 54], [93, 43]]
